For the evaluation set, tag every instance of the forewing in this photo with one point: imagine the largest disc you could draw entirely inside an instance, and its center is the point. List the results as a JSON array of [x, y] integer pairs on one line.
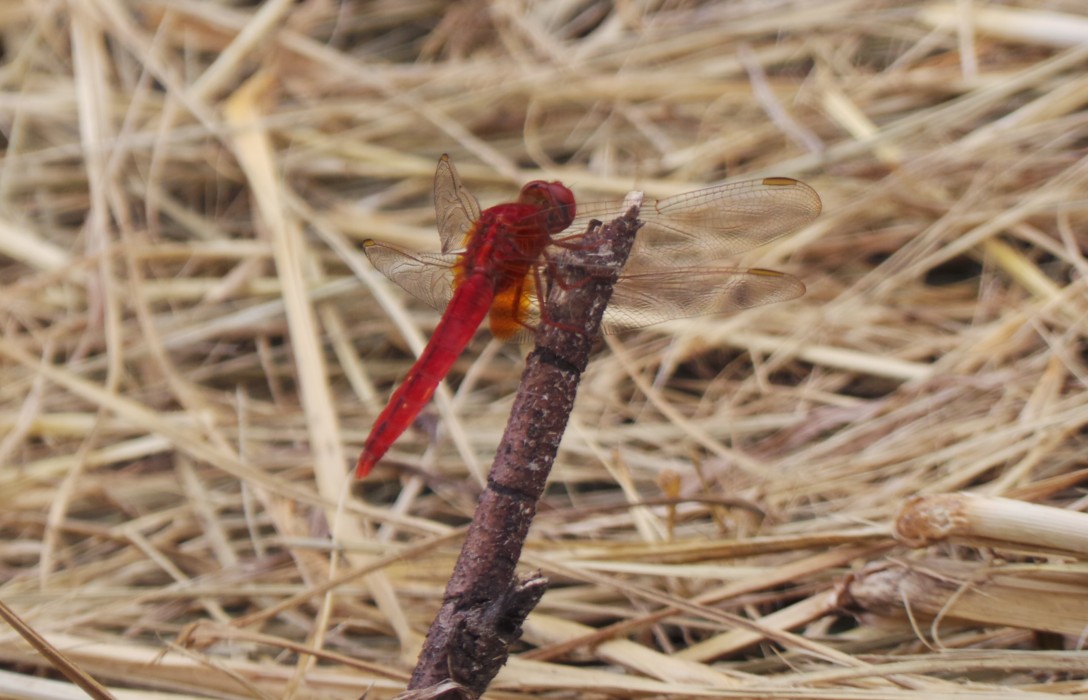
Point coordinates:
[[645, 299], [456, 210], [428, 277], [704, 225]]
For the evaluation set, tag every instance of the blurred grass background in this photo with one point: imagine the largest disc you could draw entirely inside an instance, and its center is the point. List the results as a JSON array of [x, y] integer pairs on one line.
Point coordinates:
[[194, 347]]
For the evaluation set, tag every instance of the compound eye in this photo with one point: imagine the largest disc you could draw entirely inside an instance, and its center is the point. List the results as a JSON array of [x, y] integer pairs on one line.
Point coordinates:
[[555, 200]]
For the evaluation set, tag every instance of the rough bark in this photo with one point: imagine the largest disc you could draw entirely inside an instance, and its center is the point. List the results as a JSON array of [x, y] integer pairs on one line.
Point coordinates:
[[485, 601]]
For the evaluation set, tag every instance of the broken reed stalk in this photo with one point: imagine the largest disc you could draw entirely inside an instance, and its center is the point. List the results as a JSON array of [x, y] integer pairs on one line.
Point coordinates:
[[485, 603]]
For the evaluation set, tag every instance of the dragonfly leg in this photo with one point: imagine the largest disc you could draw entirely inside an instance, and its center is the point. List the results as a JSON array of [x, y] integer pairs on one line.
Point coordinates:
[[575, 241], [572, 243], [554, 276]]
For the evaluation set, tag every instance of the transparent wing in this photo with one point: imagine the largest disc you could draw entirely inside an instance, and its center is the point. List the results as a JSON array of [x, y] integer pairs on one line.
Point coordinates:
[[642, 300], [639, 299], [716, 222], [671, 272], [645, 299], [456, 210], [429, 277], [426, 276]]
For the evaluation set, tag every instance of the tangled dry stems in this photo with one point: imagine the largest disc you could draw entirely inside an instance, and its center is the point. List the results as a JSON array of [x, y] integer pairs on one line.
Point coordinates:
[[194, 347]]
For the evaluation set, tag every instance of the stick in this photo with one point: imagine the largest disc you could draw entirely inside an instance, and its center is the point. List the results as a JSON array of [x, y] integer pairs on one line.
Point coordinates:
[[485, 602]]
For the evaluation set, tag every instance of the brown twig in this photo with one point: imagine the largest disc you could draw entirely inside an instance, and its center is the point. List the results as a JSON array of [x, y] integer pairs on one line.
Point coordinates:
[[485, 603]]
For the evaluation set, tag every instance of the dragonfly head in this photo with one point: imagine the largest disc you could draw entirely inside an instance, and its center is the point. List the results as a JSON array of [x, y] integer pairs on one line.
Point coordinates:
[[555, 201]]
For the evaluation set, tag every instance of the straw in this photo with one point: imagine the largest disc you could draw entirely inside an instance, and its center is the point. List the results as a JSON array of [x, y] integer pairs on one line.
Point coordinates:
[[194, 348]]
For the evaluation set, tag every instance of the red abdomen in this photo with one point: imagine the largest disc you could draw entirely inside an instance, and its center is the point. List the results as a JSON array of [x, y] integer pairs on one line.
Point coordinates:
[[466, 310]]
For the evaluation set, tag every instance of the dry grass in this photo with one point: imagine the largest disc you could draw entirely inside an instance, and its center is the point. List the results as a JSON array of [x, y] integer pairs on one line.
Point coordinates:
[[193, 347]]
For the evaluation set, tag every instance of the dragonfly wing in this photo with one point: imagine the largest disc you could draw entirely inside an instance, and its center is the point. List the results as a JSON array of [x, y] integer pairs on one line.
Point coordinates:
[[716, 222], [644, 299], [428, 277], [456, 210], [641, 300], [733, 218]]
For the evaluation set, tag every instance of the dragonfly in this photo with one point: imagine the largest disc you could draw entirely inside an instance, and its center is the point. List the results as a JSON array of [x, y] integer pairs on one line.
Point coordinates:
[[491, 265]]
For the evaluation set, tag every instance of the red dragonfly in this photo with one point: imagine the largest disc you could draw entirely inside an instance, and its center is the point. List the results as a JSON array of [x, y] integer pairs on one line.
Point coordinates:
[[490, 264]]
